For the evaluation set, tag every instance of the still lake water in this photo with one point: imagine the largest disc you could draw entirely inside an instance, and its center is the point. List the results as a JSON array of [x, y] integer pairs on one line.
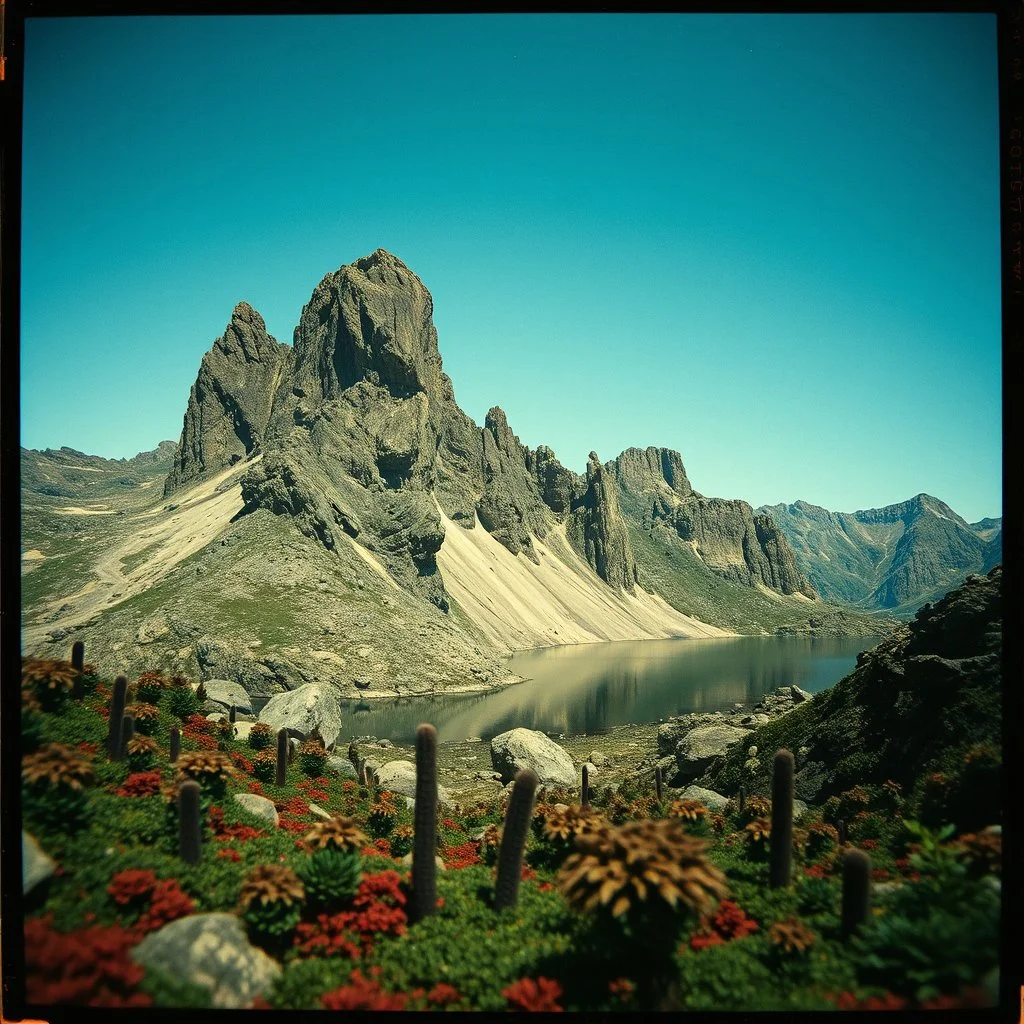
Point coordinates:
[[589, 688]]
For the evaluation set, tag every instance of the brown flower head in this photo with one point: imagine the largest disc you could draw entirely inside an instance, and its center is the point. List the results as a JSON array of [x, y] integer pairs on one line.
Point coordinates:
[[139, 744], [54, 764], [271, 883], [143, 712], [490, 843], [983, 851], [617, 809], [339, 832], [565, 822], [758, 830], [204, 766], [688, 810], [755, 807], [641, 863], [791, 936], [44, 674]]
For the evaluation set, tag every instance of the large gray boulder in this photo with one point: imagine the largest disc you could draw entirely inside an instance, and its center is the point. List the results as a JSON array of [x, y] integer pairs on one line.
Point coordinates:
[[211, 950], [700, 747], [708, 797], [259, 806], [315, 705], [343, 766], [228, 694], [36, 866], [527, 748], [400, 777]]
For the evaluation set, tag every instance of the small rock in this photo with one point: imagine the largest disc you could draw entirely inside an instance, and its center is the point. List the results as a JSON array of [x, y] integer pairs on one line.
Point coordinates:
[[599, 758], [35, 864], [406, 861], [259, 806], [320, 812], [712, 800]]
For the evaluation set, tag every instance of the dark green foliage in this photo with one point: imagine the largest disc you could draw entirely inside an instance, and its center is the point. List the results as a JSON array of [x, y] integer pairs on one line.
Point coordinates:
[[330, 877], [818, 896], [513, 839], [117, 701], [856, 891], [312, 759], [264, 766], [283, 756], [56, 808], [182, 702], [270, 923], [32, 730], [188, 822], [175, 743], [260, 736], [174, 992], [127, 731], [781, 840], [424, 870], [303, 981]]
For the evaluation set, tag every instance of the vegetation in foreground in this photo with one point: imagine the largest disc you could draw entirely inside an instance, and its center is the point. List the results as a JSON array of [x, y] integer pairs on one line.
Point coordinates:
[[629, 902]]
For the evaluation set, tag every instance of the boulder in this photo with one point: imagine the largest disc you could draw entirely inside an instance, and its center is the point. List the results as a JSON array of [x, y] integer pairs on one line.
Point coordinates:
[[242, 730], [799, 696], [228, 694], [799, 808], [36, 866], [320, 812], [400, 777], [259, 806], [211, 950], [699, 748], [406, 861], [599, 758], [527, 748], [343, 766], [314, 705], [708, 797]]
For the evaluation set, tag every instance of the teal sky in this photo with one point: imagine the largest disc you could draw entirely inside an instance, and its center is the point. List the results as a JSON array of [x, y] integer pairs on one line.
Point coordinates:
[[767, 241]]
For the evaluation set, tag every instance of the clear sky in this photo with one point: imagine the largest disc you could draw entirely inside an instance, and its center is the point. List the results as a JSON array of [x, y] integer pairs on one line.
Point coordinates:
[[767, 241]]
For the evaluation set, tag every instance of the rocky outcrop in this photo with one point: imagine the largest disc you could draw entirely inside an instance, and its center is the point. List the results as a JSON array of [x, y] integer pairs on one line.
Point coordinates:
[[313, 706], [652, 471], [897, 557], [702, 746], [558, 487], [528, 748], [36, 865], [211, 950], [400, 777], [259, 807], [230, 404], [597, 531]]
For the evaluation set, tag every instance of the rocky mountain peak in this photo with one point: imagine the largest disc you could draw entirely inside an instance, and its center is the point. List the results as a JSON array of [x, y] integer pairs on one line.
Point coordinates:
[[645, 470]]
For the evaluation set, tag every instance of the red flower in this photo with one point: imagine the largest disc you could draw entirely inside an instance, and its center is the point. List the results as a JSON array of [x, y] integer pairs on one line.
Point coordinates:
[[621, 987], [229, 854], [88, 748], [448, 823], [256, 787], [538, 996], [869, 844], [140, 784], [88, 967], [383, 845], [239, 760], [729, 922], [462, 856], [815, 871], [168, 904], [879, 874], [348, 785], [528, 874], [545, 887], [362, 994], [130, 885]]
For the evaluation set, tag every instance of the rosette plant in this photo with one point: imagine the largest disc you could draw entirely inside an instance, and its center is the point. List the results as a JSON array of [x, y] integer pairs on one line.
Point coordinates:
[[339, 832], [331, 877], [49, 681], [271, 900], [54, 779]]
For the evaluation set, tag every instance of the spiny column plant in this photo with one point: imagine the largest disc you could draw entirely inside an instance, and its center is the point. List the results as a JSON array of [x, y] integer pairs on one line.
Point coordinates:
[[78, 655], [282, 756], [513, 838], [127, 732], [189, 833], [780, 863], [742, 799], [424, 849], [856, 906], [585, 788], [175, 743], [114, 720], [658, 782]]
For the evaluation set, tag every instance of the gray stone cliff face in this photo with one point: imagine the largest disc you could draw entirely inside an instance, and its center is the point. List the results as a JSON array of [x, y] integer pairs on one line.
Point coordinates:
[[230, 404]]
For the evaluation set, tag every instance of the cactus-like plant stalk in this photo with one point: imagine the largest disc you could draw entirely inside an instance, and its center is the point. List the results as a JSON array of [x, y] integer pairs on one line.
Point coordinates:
[[513, 838], [283, 750], [175, 744], [585, 789], [78, 655], [658, 782], [841, 829], [188, 822], [742, 799], [231, 714], [424, 850], [127, 731], [117, 699], [856, 891], [780, 867]]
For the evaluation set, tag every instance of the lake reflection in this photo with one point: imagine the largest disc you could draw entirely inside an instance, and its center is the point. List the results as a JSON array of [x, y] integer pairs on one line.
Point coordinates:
[[591, 687]]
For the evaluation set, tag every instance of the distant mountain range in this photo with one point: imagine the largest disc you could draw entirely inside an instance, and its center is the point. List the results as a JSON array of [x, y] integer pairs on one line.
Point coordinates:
[[895, 558], [331, 513]]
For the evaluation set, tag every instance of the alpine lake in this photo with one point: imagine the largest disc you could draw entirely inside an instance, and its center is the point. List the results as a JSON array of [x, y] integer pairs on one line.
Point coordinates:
[[592, 688]]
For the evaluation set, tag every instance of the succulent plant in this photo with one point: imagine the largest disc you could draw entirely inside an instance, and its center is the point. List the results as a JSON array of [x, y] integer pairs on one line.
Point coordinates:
[[758, 834], [780, 866], [585, 787], [141, 752], [688, 810], [791, 936], [821, 838], [563, 823], [382, 815], [271, 900], [261, 736], [341, 833], [490, 843], [658, 783], [641, 863], [181, 702], [982, 852], [146, 717], [856, 905], [424, 868], [754, 807], [151, 687], [402, 839], [264, 765], [312, 758], [56, 765], [78, 655], [283, 756], [513, 839], [210, 768], [189, 827], [330, 877], [127, 731], [175, 743], [50, 681]]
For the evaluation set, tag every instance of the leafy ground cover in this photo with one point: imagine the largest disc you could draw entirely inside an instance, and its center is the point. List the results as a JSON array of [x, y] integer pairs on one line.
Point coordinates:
[[631, 903]]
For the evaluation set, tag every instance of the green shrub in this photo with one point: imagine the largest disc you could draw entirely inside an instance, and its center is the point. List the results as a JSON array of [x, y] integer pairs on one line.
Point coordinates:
[[261, 736], [331, 878], [182, 702], [174, 992]]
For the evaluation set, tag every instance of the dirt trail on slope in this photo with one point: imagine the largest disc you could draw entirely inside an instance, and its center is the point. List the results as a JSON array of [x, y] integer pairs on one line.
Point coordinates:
[[163, 539]]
